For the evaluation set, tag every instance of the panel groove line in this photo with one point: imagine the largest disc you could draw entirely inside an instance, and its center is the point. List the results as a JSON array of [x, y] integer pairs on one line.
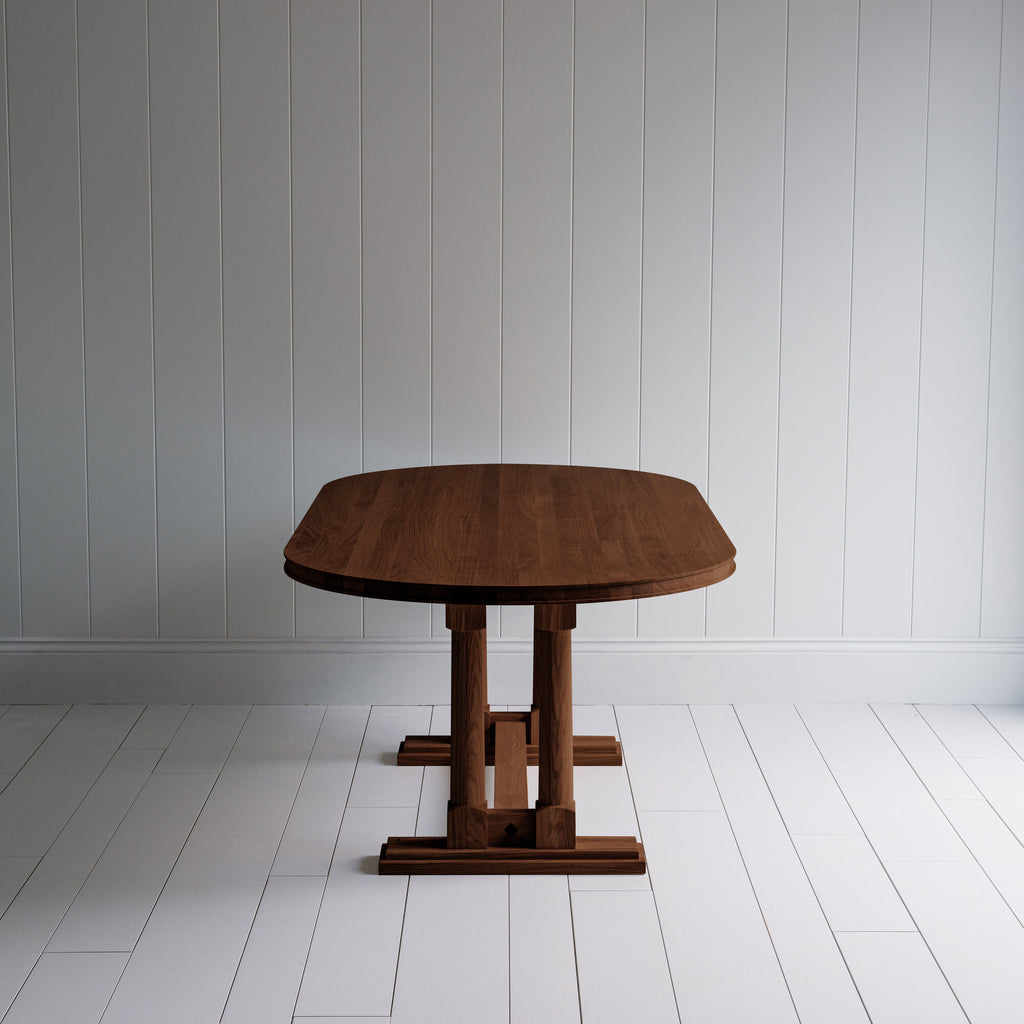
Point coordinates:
[[11, 596], [849, 328], [152, 320], [81, 314], [778, 368], [1002, 602], [920, 313]]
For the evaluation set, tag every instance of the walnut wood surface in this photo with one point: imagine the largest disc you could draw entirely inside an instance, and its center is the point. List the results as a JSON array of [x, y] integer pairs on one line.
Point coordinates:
[[510, 789], [592, 855], [420, 751], [509, 534]]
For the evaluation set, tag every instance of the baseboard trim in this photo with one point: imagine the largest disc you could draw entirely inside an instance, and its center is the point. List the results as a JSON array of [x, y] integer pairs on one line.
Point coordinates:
[[415, 671]]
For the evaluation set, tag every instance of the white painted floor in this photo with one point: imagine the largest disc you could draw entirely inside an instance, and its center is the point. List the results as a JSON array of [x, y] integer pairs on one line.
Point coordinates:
[[820, 863]]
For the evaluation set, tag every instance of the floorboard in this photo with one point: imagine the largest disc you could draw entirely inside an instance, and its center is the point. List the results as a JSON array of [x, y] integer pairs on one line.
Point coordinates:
[[623, 973], [711, 921], [899, 979], [204, 739], [936, 767], [354, 953], [604, 800], [14, 872], [973, 935], [44, 794], [454, 961], [999, 852], [157, 726], [1008, 720], [217, 883], [818, 981], [895, 810], [542, 955], [267, 983], [819, 863], [23, 729], [667, 767], [44, 899], [72, 988], [312, 830], [805, 791], [113, 906], [1001, 781], [965, 731], [853, 888]]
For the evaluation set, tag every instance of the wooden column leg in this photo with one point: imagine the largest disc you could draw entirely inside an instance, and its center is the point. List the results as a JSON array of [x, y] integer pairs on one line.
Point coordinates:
[[467, 808], [552, 687]]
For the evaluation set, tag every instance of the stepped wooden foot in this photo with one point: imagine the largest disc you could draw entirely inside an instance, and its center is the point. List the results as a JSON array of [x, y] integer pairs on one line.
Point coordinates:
[[424, 751], [592, 855]]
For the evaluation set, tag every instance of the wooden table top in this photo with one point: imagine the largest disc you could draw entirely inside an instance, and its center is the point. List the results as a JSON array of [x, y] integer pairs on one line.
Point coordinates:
[[509, 534]]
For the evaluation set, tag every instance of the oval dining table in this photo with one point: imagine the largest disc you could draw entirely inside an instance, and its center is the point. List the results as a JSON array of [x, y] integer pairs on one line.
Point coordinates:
[[552, 537]]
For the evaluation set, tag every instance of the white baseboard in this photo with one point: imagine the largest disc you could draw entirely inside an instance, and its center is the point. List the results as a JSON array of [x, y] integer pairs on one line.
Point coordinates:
[[627, 671]]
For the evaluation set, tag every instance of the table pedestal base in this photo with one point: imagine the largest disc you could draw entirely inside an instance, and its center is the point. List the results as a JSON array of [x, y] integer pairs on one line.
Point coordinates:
[[511, 838]]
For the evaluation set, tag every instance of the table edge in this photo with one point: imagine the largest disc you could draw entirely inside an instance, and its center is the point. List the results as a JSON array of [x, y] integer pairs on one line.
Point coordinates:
[[432, 593]]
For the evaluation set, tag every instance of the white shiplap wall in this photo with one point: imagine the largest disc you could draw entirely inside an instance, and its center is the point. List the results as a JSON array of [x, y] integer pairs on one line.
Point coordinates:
[[773, 248]]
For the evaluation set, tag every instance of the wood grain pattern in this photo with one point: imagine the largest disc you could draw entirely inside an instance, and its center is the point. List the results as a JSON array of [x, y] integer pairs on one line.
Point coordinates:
[[509, 534], [467, 815], [592, 855], [436, 750], [510, 764]]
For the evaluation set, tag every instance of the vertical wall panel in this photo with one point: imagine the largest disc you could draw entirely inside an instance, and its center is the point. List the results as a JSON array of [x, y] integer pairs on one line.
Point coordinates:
[[114, 111], [749, 133], [679, 106], [466, 236], [185, 140], [536, 264], [607, 231], [396, 45], [466, 260], [47, 259], [1002, 603], [255, 202], [772, 246], [956, 317], [536, 230], [814, 365], [607, 198], [326, 275], [885, 332], [10, 575]]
